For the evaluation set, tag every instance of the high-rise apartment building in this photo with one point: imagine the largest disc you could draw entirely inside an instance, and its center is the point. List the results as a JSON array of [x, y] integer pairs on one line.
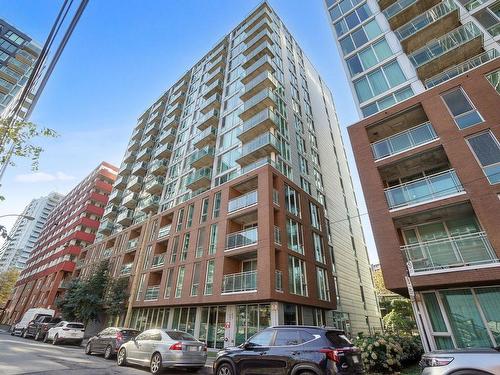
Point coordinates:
[[71, 225], [234, 208], [394, 49], [18, 55], [430, 171], [23, 236]]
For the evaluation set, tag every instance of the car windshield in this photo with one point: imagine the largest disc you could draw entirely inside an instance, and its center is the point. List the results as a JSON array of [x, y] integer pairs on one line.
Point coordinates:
[[75, 325], [129, 332], [338, 339], [179, 335]]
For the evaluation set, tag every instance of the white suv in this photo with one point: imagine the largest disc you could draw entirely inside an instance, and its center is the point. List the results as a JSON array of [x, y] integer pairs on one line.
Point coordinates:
[[65, 331]]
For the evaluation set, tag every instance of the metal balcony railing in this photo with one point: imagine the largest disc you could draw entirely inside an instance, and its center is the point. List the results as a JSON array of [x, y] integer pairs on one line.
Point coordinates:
[[243, 201], [403, 141], [424, 189], [397, 7], [132, 244], [158, 260], [164, 231], [261, 141], [240, 282], [126, 269], [152, 293], [243, 238], [446, 253]]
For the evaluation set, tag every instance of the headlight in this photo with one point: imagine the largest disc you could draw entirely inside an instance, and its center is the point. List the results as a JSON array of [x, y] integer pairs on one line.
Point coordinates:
[[435, 361]]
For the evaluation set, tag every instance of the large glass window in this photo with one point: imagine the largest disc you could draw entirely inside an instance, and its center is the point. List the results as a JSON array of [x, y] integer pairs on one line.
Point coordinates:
[[359, 37], [351, 20], [251, 319], [494, 79], [489, 300], [322, 281], [387, 101], [461, 108], [319, 254], [487, 151], [295, 236], [368, 57], [180, 282], [292, 201], [209, 277], [212, 245], [297, 280], [314, 211], [379, 81], [212, 330], [195, 281]]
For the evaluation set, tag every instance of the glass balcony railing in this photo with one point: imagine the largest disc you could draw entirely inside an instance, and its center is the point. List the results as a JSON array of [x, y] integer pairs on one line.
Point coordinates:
[[403, 141], [257, 51], [259, 142], [158, 260], [200, 154], [152, 293], [243, 201], [240, 282], [262, 95], [126, 269], [243, 238], [132, 244], [158, 165], [124, 215], [472, 63], [446, 253], [149, 202], [107, 253], [397, 7], [444, 44], [208, 132], [164, 231], [424, 189], [259, 65], [200, 174], [425, 19], [260, 117]]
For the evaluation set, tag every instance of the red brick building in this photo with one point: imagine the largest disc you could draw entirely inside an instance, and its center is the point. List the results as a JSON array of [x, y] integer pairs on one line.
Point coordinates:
[[430, 171], [71, 225]]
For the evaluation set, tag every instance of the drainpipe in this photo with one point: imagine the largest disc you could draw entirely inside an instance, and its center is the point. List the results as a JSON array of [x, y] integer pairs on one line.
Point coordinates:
[[418, 316]]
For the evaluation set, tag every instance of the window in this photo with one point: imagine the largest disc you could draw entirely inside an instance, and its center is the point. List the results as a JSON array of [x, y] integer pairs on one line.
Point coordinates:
[[343, 7], [314, 211], [175, 246], [292, 201], [297, 281], [379, 81], [180, 218], [304, 168], [287, 337], [323, 289], [212, 245], [204, 210], [319, 254], [200, 242], [180, 282], [461, 108], [294, 234], [262, 338], [368, 57], [489, 17], [360, 37], [195, 282], [217, 203], [494, 79], [209, 278], [352, 20], [185, 247], [387, 101], [486, 148], [305, 185], [168, 283]]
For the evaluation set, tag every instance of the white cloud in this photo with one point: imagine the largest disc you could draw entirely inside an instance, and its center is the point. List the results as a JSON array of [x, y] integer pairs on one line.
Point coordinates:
[[43, 177]]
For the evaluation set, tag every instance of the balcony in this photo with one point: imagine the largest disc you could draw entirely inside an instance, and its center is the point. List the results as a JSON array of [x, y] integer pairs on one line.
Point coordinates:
[[164, 231], [107, 253], [472, 63], [177, 98], [204, 138], [447, 254], [259, 16], [404, 141], [215, 75], [167, 135], [140, 169], [203, 157], [214, 88], [240, 282], [264, 35], [133, 144], [152, 293], [174, 110], [209, 119], [451, 49], [240, 239], [110, 211], [121, 182], [243, 201], [79, 263], [136, 135], [217, 52], [115, 196], [106, 227], [148, 141], [144, 154], [125, 217], [264, 64], [149, 204], [263, 100], [171, 122], [423, 190], [130, 200], [135, 184], [263, 49], [182, 85], [158, 167], [258, 148], [202, 178], [132, 244], [129, 156], [261, 123], [154, 185], [158, 260], [139, 217], [164, 151], [126, 269], [151, 130], [397, 7], [212, 103], [262, 25], [219, 62], [259, 83], [125, 169]]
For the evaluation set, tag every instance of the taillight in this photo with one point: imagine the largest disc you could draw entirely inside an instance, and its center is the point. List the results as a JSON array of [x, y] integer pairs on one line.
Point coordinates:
[[332, 354], [119, 336], [176, 346], [204, 348]]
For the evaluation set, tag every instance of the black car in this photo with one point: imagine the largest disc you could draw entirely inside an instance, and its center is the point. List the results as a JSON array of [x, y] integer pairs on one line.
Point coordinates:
[[292, 350], [109, 340], [38, 328]]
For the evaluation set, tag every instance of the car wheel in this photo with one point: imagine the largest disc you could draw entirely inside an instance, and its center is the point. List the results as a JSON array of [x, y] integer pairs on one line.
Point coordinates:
[[55, 340], [108, 352], [121, 358], [225, 369], [88, 349], [155, 365]]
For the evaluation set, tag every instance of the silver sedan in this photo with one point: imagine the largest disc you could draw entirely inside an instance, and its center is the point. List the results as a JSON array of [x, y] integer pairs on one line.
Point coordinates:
[[461, 362], [160, 349]]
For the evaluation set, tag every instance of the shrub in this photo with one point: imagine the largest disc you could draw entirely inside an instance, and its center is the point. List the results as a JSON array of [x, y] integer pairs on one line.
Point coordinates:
[[412, 349], [380, 353]]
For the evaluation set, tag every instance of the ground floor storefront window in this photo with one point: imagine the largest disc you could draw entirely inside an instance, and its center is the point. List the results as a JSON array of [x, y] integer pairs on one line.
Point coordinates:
[[212, 326], [147, 318], [250, 319], [464, 318]]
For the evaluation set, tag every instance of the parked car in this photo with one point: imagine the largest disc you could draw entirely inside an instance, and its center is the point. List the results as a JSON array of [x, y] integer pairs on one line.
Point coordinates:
[[65, 332], [290, 350], [29, 316], [109, 340], [38, 328], [160, 349], [461, 362]]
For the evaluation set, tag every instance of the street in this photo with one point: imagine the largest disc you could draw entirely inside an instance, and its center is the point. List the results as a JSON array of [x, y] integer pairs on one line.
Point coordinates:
[[25, 356]]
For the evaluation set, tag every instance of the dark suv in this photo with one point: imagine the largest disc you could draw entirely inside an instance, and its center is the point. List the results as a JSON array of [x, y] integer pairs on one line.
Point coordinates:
[[292, 350], [38, 328]]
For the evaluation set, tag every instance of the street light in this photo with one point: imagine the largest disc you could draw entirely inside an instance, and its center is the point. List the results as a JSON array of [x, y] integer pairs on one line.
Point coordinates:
[[27, 217], [3, 230]]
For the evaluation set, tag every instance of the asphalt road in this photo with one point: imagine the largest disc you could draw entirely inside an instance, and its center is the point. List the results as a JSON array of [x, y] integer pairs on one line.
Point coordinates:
[[26, 356]]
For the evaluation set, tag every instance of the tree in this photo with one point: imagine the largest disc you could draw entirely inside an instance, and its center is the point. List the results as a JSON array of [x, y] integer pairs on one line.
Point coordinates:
[[7, 281], [116, 297], [400, 319]]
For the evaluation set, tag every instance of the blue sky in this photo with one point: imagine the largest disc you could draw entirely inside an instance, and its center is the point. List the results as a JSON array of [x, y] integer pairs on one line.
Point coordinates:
[[122, 55]]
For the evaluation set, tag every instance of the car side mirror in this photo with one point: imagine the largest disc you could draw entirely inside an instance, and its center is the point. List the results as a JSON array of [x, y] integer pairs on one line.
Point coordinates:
[[248, 345]]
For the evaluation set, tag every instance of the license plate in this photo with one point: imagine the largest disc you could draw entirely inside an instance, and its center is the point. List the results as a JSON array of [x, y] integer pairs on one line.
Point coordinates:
[[193, 349], [355, 359]]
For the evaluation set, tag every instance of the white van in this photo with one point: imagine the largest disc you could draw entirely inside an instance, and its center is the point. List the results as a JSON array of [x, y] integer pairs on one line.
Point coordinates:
[[29, 315]]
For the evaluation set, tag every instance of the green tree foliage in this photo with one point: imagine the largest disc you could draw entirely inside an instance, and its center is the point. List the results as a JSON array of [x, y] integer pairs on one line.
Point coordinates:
[[400, 319], [7, 281], [116, 296]]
